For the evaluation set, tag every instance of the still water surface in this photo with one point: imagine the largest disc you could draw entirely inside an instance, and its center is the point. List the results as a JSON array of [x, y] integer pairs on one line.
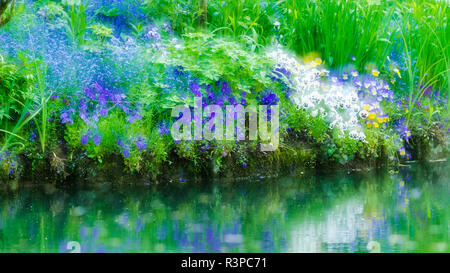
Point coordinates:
[[403, 212]]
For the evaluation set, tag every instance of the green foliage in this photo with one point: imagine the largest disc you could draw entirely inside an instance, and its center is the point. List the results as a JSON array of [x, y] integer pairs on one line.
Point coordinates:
[[15, 97], [226, 41], [76, 21], [183, 15], [213, 59], [138, 30], [6, 11], [336, 30], [101, 32], [424, 34]]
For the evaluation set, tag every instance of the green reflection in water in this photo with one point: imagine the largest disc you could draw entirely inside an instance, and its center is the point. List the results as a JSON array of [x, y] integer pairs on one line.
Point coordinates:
[[404, 212]]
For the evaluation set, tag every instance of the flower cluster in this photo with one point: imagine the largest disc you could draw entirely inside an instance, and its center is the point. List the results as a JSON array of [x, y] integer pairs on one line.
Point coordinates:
[[7, 162], [98, 102], [336, 102], [348, 101]]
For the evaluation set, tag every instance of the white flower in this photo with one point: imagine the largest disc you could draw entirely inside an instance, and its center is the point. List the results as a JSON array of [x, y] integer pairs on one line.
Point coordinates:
[[354, 134], [277, 25], [336, 102], [363, 114]]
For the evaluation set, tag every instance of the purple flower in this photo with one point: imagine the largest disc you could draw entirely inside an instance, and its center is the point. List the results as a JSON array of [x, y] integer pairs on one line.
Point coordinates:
[[126, 153], [66, 118], [140, 144], [119, 143], [269, 99], [84, 140], [225, 89], [104, 112], [403, 130], [134, 117], [90, 93], [195, 89], [33, 137], [97, 140], [152, 33]]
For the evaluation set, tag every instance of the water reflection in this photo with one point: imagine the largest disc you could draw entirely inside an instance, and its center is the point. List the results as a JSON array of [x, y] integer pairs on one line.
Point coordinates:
[[404, 212]]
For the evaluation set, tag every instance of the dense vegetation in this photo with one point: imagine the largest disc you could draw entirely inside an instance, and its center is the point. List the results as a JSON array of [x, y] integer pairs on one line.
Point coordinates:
[[355, 80]]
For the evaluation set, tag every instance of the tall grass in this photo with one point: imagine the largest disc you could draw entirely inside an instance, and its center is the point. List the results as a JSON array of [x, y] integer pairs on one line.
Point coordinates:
[[336, 29], [24, 105], [413, 33], [76, 21], [424, 33]]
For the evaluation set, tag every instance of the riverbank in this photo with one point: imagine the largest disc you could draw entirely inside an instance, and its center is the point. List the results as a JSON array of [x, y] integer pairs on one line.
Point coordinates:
[[300, 160]]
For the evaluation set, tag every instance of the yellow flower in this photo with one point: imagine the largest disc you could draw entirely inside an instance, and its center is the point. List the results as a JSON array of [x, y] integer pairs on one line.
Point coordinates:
[[324, 72], [318, 61], [398, 72], [376, 125], [407, 111], [375, 72], [372, 116], [369, 125], [366, 107], [380, 120]]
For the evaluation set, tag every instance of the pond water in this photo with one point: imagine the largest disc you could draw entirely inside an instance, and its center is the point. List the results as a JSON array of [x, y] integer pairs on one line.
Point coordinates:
[[403, 212]]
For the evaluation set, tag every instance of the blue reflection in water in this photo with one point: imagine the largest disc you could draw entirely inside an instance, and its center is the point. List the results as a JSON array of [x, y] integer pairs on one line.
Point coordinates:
[[404, 212]]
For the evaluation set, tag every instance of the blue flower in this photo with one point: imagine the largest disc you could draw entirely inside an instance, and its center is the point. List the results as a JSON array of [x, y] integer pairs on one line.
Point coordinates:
[[33, 136], [134, 117], [152, 33], [90, 93], [126, 153], [120, 143], [195, 89], [66, 117], [269, 98], [84, 140], [97, 140], [140, 144]]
